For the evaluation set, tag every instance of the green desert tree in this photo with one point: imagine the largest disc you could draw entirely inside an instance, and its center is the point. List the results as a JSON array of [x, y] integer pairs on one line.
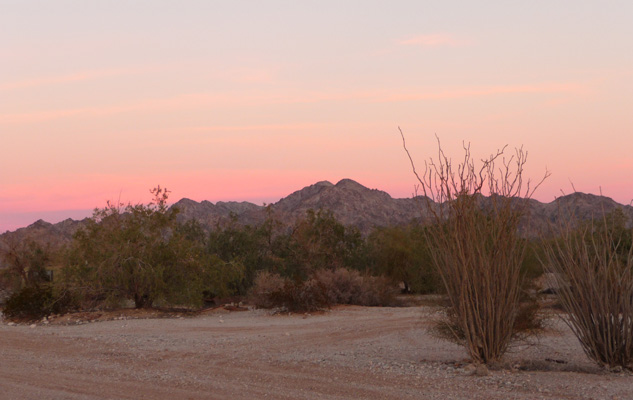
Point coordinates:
[[320, 241], [402, 253], [256, 247], [140, 253]]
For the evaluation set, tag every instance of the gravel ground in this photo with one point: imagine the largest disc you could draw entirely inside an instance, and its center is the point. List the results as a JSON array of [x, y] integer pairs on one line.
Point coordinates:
[[347, 353]]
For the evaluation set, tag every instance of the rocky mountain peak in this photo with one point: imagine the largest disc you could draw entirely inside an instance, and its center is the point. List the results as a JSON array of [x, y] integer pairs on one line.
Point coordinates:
[[350, 184], [349, 201], [40, 224]]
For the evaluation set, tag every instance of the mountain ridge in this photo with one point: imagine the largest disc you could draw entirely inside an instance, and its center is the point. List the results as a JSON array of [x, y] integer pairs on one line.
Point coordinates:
[[350, 202]]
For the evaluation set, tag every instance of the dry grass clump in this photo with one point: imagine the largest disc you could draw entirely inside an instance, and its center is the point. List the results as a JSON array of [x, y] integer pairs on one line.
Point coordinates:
[[594, 266], [475, 245], [323, 289]]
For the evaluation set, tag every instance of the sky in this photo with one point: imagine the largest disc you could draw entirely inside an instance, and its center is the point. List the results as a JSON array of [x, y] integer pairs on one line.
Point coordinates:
[[252, 100]]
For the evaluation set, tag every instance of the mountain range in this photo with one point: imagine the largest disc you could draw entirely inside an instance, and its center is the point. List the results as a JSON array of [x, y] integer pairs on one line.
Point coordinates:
[[350, 202]]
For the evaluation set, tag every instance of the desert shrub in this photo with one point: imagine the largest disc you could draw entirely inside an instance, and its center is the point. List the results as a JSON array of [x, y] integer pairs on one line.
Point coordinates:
[[377, 291], [31, 302], [323, 289], [475, 245], [302, 296], [25, 264], [264, 286], [342, 286], [593, 264], [402, 254], [271, 290], [532, 268], [529, 321], [345, 286], [34, 302]]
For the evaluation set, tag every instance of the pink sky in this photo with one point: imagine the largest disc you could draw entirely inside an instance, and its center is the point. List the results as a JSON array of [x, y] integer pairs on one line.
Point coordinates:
[[254, 100]]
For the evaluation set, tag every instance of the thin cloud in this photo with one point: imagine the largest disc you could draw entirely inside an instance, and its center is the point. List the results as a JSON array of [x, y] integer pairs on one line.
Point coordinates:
[[238, 99], [178, 102], [251, 75], [434, 40], [68, 78], [484, 91]]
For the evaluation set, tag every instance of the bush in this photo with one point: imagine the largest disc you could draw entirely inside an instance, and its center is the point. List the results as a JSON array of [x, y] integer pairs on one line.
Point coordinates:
[[35, 302], [264, 286], [26, 263], [344, 286], [273, 291], [298, 296], [475, 245], [377, 291], [528, 321], [324, 288], [593, 265]]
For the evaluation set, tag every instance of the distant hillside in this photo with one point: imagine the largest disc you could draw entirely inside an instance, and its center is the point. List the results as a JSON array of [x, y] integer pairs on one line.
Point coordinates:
[[350, 202]]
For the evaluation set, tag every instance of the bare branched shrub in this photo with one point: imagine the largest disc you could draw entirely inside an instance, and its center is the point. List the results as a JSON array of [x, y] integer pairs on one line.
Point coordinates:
[[377, 291], [324, 288], [593, 264], [475, 244], [346, 286], [271, 290], [264, 286], [342, 286]]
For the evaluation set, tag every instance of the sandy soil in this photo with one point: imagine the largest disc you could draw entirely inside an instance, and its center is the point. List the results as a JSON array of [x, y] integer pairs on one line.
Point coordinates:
[[347, 353]]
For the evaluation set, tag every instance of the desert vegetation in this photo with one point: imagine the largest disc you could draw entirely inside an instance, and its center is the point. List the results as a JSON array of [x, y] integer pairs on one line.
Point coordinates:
[[139, 255], [593, 264], [469, 248], [475, 246]]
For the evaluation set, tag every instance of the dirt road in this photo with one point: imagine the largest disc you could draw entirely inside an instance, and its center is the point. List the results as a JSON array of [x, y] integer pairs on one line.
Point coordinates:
[[347, 353]]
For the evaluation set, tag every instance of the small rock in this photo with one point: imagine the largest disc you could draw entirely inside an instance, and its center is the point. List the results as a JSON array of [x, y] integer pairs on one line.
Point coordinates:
[[32, 326], [11, 324]]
